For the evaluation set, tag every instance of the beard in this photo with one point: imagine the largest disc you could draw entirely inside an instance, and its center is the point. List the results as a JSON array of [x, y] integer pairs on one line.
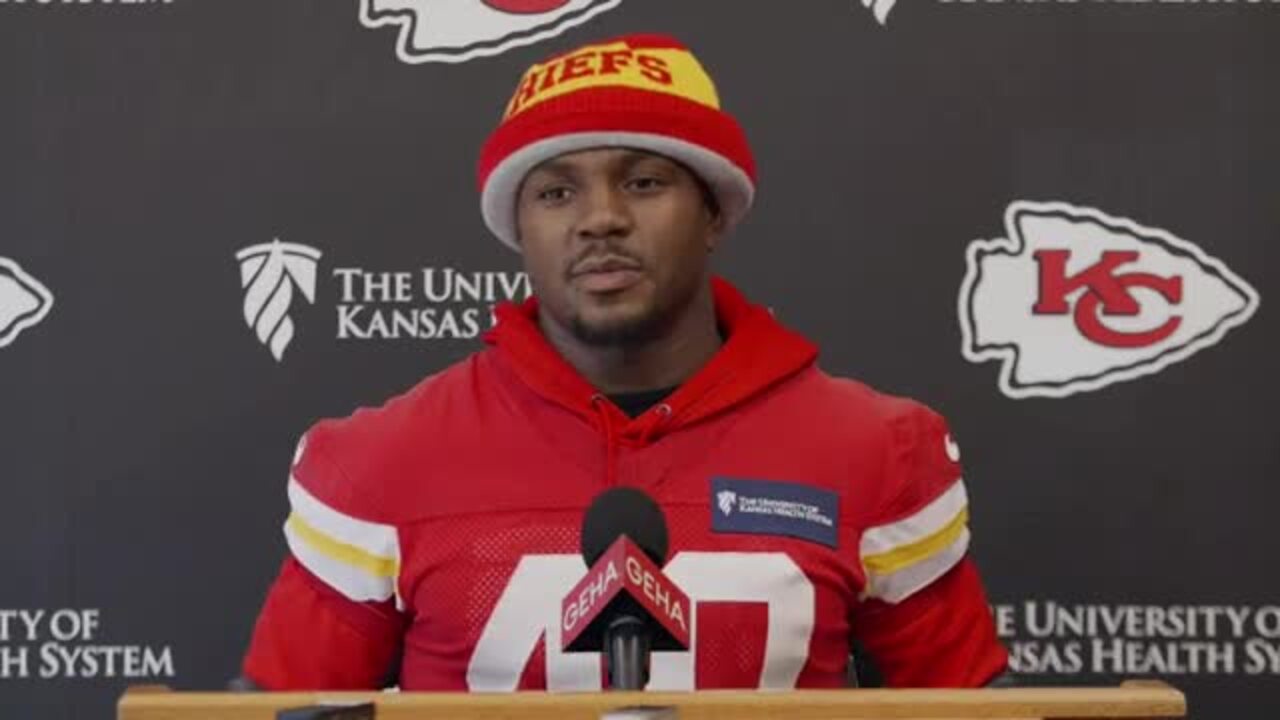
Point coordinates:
[[638, 328], [641, 329]]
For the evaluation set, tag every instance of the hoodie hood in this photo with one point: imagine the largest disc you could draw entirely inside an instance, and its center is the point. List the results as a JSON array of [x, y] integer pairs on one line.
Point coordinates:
[[758, 353]]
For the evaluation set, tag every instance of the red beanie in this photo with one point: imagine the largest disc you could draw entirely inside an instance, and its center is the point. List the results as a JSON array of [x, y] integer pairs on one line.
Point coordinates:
[[646, 92]]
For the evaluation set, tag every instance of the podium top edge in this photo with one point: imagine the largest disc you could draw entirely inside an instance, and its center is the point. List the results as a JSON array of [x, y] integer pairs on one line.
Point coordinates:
[[1143, 700]]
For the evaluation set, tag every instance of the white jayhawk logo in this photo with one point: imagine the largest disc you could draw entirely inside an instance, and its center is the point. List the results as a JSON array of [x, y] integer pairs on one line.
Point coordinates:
[[727, 499], [269, 273], [454, 31], [1073, 300]]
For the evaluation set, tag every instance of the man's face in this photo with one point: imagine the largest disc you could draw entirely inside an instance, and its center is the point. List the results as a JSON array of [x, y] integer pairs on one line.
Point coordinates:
[[615, 241]]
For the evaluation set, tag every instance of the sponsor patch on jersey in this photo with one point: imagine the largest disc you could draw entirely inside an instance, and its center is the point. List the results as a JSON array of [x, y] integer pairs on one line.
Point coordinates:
[[768, 507]]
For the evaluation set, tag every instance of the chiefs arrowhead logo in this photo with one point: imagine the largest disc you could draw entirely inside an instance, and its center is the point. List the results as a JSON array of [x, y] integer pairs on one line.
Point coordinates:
[[24, 301], [1074, 300], [455, 31]]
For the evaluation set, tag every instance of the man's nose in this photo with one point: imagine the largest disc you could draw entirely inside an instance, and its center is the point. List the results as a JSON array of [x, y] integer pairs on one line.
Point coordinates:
[[605, 214]]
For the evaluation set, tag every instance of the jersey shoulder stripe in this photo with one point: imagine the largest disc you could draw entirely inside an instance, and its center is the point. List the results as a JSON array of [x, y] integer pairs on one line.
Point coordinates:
[[903, 556], [360, 559]]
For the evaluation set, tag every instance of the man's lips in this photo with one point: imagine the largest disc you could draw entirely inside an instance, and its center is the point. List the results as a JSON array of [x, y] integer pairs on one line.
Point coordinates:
[[606, 274], [600, 281]]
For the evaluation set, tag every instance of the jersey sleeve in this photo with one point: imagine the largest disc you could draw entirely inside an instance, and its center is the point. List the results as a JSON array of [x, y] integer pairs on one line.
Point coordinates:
[[332, 618], [920, 529], [923, 615]]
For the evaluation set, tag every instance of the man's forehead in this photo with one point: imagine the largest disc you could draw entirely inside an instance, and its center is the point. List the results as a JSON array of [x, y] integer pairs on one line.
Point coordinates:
[[599, 158]]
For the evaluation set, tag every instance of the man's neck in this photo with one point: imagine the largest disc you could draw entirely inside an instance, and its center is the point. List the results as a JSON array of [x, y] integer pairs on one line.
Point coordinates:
[[665, 362]]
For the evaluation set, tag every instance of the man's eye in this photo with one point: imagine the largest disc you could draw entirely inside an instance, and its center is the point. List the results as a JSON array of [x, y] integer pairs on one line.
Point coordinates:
[[646, 183], [555, 194]]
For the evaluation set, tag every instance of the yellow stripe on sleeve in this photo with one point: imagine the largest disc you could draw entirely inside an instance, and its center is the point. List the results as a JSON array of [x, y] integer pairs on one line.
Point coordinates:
[[905, 556], [375, 565]]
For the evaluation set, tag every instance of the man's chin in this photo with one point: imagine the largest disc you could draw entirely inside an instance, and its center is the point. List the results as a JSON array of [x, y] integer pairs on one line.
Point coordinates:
[[617, 329]]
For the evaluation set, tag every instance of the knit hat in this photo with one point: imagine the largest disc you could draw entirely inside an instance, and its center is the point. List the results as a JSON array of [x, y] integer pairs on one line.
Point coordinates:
[[646, 92]]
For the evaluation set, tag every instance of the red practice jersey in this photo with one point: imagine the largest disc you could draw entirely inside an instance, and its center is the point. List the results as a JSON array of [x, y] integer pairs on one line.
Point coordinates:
[[439, 533]]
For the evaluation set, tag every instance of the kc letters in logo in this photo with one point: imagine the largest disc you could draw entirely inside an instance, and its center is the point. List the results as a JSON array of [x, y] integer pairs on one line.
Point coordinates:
[[24, 301], [454, 31], [1074, 300]]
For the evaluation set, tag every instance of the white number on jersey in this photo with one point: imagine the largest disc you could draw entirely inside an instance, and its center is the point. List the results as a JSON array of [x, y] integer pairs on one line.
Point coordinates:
[[530, 607]]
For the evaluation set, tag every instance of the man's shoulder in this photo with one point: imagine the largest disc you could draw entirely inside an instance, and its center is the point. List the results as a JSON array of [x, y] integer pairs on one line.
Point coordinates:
[[390, 424], [370, 463], [854, 404], [907, 442]]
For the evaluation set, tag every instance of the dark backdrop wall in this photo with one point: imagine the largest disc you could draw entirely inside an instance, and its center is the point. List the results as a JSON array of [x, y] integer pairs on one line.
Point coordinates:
[[1054, 221]]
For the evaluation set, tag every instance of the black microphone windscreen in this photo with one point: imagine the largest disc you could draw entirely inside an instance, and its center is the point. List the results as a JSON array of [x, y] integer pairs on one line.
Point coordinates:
[[624, 511]]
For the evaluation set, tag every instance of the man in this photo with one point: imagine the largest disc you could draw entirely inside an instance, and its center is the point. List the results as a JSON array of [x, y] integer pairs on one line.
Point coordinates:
[[432, 539]]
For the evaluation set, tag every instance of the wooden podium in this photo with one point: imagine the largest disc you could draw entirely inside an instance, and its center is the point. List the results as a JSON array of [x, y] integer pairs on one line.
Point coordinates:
[[1130, 700]]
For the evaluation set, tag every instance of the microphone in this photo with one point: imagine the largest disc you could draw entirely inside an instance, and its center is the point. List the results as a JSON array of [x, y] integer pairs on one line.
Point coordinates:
[[625, 607]]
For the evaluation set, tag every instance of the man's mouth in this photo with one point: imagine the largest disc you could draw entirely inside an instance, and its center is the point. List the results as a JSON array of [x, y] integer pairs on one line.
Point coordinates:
[[607, 274]]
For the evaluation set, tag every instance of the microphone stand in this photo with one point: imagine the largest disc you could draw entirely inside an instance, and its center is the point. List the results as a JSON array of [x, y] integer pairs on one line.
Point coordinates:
[[627, 648]]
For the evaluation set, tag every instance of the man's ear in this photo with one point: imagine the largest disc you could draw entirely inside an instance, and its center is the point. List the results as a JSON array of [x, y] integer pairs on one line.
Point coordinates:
[[715, 230], [516, 225]]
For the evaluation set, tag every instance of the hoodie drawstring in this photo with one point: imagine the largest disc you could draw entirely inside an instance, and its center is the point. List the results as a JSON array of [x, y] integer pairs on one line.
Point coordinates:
[[601, 404], [613, 440], [664, 414]]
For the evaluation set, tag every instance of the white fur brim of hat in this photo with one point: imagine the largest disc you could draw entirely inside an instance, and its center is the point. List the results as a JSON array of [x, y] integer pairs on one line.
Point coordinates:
[[730, 184]]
